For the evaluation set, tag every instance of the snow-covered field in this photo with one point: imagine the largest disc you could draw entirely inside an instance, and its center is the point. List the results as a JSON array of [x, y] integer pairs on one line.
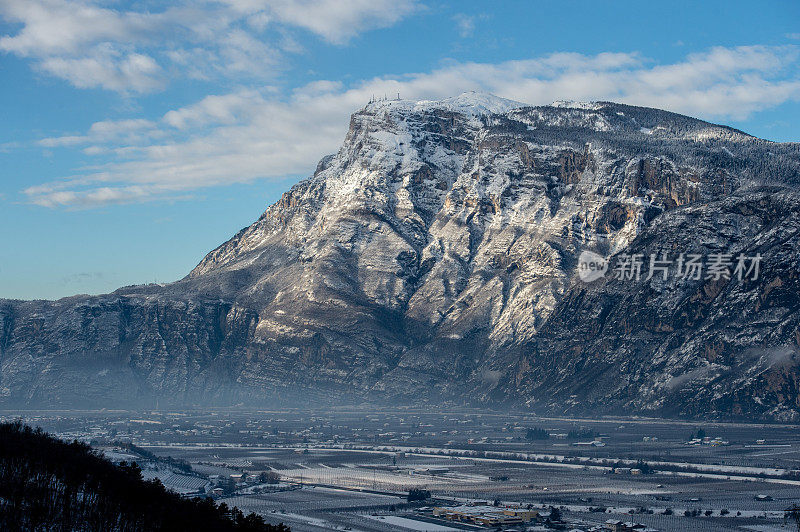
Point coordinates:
[[412, 524], [182, 484]]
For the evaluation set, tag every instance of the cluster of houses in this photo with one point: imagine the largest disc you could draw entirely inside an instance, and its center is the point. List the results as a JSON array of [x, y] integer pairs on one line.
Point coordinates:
[[614, 525], [492, 516], [222, 485], [487, 515], [626, 471]]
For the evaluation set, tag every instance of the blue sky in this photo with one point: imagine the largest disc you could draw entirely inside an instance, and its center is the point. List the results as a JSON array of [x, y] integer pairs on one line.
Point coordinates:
[[135, 137]]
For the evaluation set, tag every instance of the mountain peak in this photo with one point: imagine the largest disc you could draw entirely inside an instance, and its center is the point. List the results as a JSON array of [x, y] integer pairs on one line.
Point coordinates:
[[471, 103]]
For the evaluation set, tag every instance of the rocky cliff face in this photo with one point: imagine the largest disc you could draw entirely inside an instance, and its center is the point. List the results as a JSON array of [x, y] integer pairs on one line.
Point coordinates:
[[683, 346], [434, 258]]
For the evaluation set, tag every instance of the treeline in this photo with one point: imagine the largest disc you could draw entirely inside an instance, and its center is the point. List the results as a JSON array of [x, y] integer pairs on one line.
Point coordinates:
[[181, 465], [536, 433], [49, 484], [582, 433], [416, 494]]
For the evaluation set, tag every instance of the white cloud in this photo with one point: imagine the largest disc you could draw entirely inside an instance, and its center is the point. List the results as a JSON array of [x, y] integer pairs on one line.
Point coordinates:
[[132, 130], [94, 197], [226, 109], [108, 69], [55, 26], [93, 43], [249, 134], [88, 45], [336, 21]]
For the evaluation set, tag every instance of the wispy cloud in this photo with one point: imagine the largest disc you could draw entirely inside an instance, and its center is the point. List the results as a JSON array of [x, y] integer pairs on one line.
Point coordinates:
[[336, 21], [81, 277], [95, 44], [465, 24], [251, 134], [131, 130]]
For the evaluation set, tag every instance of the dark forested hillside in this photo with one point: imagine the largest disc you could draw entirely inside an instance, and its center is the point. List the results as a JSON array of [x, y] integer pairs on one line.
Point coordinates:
[[49, 484]]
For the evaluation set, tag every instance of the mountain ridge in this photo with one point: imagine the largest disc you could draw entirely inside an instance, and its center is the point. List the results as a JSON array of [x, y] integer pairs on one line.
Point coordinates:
[[430, 259]]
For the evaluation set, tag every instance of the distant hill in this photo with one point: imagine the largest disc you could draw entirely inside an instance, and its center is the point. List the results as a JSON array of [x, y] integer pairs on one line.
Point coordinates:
[[49, 484]]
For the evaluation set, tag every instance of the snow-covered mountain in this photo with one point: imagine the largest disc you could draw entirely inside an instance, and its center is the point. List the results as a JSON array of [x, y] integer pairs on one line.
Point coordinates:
[[434, 258]]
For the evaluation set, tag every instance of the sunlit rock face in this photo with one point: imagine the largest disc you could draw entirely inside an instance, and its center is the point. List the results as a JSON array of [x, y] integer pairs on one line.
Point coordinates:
[[433, 258]]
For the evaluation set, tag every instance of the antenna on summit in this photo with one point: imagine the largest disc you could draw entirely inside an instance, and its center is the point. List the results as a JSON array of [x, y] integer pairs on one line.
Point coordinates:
[[398, 96]]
